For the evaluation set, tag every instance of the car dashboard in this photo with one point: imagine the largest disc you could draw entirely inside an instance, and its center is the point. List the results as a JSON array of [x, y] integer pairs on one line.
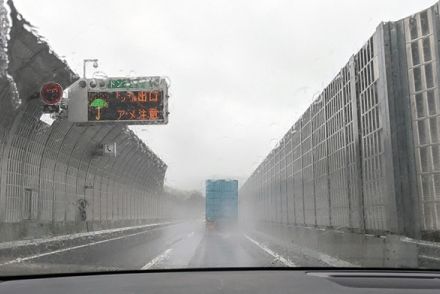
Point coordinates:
[[252, 281]]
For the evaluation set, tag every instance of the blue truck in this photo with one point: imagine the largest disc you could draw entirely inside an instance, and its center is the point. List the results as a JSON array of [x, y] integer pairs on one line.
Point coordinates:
[[221, 203]]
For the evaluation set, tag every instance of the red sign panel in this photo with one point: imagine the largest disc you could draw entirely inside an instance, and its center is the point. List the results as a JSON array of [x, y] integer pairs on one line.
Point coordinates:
[[51, 93]]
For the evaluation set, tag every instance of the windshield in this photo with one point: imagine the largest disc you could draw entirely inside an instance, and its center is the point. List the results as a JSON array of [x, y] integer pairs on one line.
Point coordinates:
[[140, 135]]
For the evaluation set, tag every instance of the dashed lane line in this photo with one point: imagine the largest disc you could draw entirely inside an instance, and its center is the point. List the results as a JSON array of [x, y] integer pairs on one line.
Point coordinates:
[[158, 259], [164, 255]]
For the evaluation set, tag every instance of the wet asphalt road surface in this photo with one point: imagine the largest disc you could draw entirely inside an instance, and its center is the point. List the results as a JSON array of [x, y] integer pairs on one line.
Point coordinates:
[[182, 245]]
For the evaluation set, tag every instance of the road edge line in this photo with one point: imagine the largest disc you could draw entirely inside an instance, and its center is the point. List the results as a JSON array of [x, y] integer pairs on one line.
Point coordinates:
[[277, 256]]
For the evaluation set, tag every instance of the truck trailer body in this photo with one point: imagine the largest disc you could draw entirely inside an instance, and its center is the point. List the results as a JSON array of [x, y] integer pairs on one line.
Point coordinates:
[[221, 202]]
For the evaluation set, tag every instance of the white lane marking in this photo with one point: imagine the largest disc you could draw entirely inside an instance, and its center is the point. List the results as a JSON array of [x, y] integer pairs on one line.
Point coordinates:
[[325, 258], [429, 257], [157, 259], [333, 261], [164, 255], [21, 259], [11, 244], [282, 259]]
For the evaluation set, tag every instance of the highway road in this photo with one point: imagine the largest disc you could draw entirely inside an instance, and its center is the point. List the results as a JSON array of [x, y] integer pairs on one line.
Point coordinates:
[[181, 245]]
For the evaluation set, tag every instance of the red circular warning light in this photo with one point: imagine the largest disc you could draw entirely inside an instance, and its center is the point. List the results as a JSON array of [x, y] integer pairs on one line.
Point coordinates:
[[51, 93]]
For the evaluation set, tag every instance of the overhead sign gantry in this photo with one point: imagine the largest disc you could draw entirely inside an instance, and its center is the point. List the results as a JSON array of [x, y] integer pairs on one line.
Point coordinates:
[[140, 100]]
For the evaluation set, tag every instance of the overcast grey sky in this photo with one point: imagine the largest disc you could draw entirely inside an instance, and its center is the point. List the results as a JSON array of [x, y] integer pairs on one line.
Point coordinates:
[[242, 71]]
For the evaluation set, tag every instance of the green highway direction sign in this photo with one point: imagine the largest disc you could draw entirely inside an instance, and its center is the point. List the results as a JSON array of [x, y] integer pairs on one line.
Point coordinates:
[[140, 100]]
